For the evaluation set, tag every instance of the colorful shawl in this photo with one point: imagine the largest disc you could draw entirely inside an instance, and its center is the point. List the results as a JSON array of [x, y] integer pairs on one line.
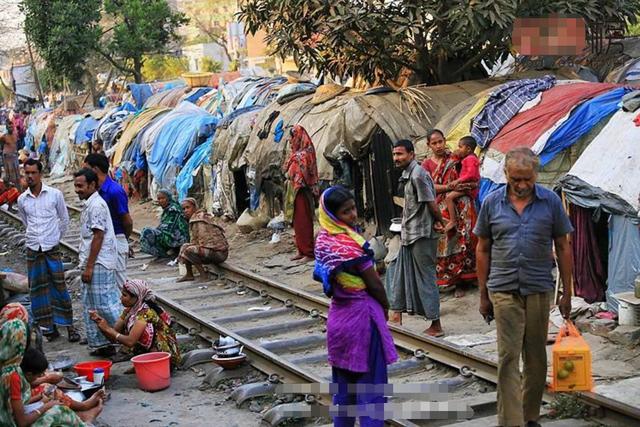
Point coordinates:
[[141, 290], [338, 247], [173, 226], [12, 311], [13, 343], [301, 167]]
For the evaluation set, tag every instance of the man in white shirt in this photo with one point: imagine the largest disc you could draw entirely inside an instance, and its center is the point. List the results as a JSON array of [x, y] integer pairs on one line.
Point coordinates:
[[98, 257], [45, 217]]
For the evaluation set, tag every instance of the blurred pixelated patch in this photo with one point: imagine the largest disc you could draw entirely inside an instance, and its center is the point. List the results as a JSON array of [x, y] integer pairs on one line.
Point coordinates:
[[550, 35]]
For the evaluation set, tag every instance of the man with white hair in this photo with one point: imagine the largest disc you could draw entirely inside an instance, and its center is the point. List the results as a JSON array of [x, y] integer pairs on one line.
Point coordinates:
[[516, 229]]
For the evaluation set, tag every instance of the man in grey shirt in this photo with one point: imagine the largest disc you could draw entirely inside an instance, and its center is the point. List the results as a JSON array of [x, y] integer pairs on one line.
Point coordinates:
[[414, 283], [516, 228]]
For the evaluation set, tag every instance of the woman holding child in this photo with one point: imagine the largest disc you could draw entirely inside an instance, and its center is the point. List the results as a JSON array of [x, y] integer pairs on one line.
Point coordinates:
[[456, 248]]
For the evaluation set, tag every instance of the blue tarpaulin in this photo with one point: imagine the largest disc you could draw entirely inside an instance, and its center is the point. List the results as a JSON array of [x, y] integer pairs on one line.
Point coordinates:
[[200, 156], [141, 92], [187, 126], [581, 121], [197, 94], [85, 130]]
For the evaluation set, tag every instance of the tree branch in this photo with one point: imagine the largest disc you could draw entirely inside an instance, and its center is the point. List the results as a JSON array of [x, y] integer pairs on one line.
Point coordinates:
[[113, 61]]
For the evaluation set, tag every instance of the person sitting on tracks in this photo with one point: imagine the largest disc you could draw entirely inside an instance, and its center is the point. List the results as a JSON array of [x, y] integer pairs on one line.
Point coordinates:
[[359, 342], [172, 232], [144, 326], [208, 244]]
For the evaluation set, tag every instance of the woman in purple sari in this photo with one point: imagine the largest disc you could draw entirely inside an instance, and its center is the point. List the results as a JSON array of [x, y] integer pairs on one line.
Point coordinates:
[[359, 343]]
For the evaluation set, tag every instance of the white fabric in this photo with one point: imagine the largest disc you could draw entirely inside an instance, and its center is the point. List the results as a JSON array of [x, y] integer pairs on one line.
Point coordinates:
[[611, 161], [95, 216], [45, 217], [122, 249]]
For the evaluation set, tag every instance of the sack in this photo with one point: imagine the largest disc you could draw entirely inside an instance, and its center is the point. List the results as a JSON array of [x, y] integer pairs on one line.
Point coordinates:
[[571, 355], [16, 283]]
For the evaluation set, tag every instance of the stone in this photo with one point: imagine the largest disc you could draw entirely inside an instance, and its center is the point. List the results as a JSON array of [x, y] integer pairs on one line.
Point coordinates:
[[602, 327], [625, 335], [255, 407]]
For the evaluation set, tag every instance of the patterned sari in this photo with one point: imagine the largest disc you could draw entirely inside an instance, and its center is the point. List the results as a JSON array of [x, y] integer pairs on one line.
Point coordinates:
[[172, 232], [456, 251]]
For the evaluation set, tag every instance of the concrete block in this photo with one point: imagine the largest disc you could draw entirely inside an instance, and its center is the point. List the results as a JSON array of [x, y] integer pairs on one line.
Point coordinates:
[[602, 327], [625, 335]]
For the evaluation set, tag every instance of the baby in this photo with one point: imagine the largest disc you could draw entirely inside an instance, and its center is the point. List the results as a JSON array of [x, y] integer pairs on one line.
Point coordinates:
[[469, 173]]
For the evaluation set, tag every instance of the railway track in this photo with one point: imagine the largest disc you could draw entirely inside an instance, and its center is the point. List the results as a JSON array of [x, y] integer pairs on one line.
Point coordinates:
[[282, 330]]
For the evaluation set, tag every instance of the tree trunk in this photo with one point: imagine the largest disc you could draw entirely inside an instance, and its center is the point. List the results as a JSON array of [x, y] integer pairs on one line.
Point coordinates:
[[137, 69]]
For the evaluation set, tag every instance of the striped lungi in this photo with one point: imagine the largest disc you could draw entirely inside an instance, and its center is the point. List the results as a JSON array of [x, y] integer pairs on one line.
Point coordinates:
[[101, 295], [11, 168], [50, 300], [194, 254]]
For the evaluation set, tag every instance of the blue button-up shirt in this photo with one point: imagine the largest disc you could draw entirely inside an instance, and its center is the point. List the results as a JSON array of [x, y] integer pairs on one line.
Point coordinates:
[[117, 201], [521, 248]]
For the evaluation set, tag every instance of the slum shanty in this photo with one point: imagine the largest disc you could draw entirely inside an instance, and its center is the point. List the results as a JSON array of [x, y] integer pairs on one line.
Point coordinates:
[[254, 236]]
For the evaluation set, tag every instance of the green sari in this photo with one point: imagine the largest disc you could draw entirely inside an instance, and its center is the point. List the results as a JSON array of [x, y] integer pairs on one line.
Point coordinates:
[[13, 343], [172, 232]]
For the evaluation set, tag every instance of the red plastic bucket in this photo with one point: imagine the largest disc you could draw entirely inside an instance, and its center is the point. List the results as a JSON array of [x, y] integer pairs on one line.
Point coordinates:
[[153, 370], [86, 368]]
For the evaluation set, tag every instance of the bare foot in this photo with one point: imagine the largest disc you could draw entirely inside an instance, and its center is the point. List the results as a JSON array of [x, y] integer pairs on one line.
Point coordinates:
[[94, 400], [186, 278], [89, 416], [308, 259], [451, 225], [297, 257], [395, 318], [459, 293], [434, 331]]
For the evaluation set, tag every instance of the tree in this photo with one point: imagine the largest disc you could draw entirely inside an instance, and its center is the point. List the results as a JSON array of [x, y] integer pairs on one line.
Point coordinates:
[[163, 67], [440, 41], [210, 65], [210, 18], [63, 32], [141, 27]]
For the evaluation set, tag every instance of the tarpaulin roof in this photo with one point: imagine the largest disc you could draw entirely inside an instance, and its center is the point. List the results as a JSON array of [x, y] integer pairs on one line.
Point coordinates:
[[183, 128], [141, 92], [581, 121], [134, 126], [85, 129], [60, 152], [607, 175], [184, 181]]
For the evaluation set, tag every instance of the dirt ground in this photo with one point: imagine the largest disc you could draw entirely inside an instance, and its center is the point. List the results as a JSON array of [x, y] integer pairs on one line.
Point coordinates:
[[460, 318]]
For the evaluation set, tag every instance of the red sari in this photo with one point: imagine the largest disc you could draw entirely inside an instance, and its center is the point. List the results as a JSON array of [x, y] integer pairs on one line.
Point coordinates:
[[456, 252]]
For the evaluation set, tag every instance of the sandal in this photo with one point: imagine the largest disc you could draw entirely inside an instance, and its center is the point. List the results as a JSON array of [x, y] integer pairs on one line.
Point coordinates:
[[74, 336], [52, 335]]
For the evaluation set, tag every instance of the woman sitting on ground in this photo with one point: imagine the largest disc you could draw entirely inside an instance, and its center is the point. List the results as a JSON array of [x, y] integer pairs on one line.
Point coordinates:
[[143, 327], [34, 365], [208, 244], [15, 391], [172, 232], [359, 343]]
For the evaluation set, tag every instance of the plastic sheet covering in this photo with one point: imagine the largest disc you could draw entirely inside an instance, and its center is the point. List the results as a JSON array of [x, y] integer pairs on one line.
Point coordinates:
[[624, 258], [110, 126], [463, 127], [607, 174], [133, 128], [196, 93], [36, 129], [581, 121], [141, 92], [200, 156], [169, 98], [175, 136], [60, 152], [85, 130]]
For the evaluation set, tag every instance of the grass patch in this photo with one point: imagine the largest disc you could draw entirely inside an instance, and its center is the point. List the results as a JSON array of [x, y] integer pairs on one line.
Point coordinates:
[[567, 406]]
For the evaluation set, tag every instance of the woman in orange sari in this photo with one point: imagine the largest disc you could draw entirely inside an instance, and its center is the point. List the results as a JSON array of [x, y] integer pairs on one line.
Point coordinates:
[[456, 249]]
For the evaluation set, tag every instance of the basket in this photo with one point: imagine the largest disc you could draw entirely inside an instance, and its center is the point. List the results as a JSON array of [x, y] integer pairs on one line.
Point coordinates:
[[197, 79]]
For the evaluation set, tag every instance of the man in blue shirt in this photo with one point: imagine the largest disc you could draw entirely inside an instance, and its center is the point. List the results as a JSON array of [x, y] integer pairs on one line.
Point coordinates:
[[516, 228], [118, 204]]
